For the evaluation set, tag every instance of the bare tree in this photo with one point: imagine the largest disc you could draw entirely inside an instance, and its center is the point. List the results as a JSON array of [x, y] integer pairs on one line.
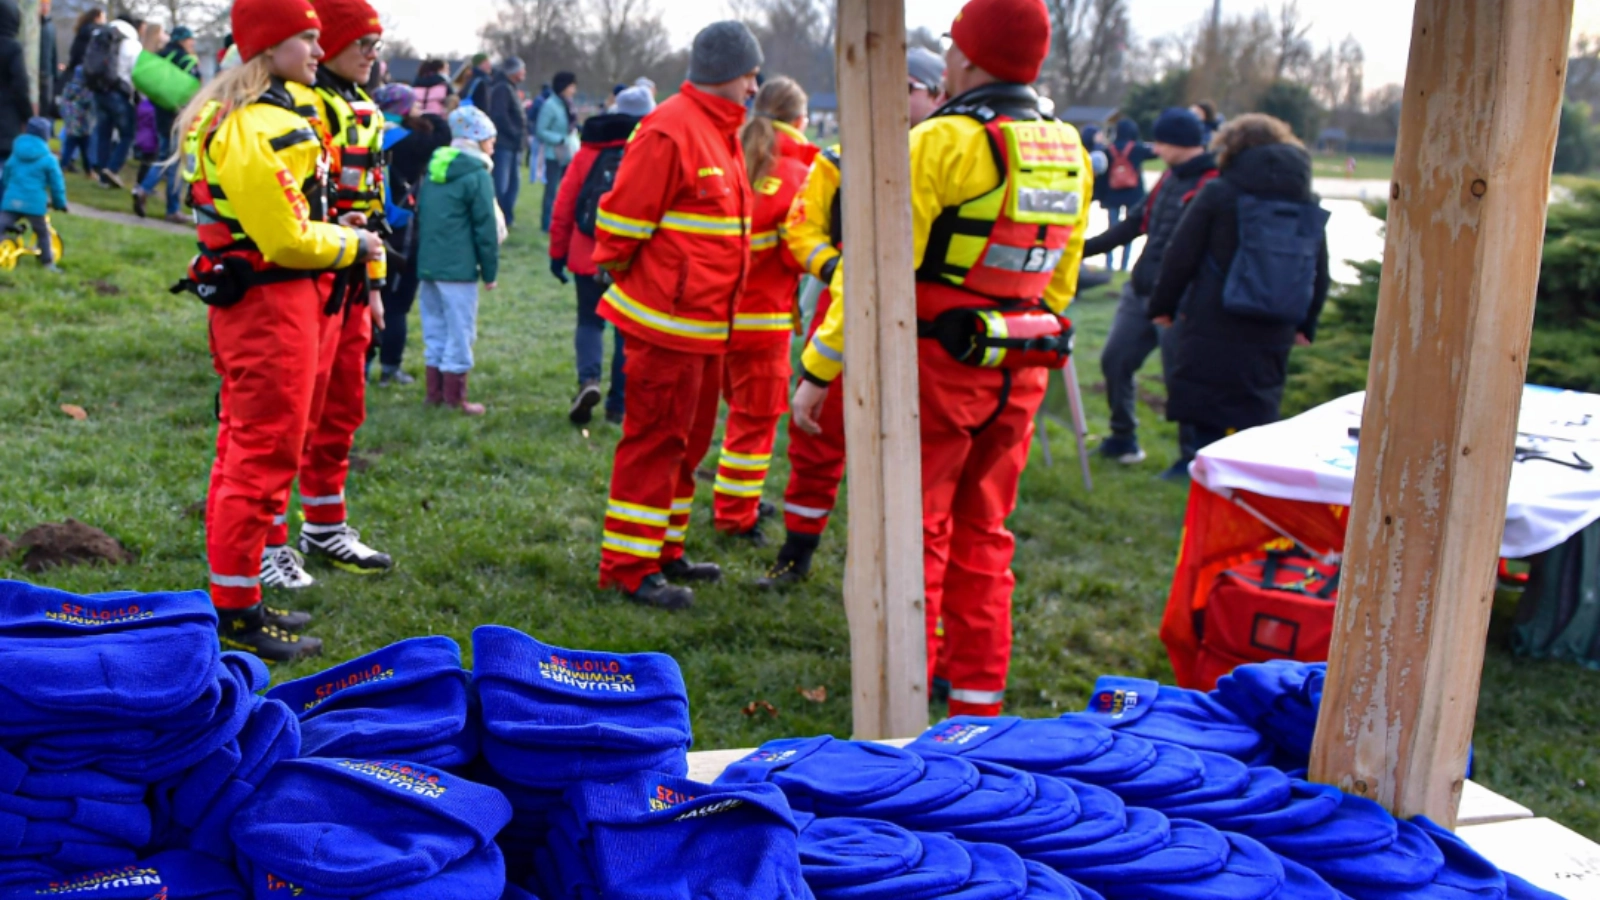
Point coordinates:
[[624, 37], [1351, 65], [1091, 37], [543, 33], [1294, 51], [796, 37]]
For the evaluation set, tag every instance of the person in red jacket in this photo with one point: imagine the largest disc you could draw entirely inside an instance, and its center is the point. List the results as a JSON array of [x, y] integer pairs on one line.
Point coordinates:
[[675, 236], [572, 230], [755, 373]]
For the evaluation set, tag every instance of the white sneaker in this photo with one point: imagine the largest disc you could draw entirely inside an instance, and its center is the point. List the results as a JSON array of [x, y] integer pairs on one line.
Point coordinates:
[[341, 546], [282, 567]]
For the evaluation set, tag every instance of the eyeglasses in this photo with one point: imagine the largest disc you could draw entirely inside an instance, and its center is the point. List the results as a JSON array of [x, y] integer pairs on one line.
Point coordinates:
[[945, 43], [370, 46], [933, 89]]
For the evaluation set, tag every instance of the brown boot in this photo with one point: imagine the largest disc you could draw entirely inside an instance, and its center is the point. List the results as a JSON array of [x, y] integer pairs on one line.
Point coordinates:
[[455, 394], [435, 387]]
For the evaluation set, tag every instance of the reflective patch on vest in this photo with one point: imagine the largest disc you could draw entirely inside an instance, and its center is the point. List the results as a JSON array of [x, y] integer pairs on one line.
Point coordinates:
[[1022, 259], [1043, 200]]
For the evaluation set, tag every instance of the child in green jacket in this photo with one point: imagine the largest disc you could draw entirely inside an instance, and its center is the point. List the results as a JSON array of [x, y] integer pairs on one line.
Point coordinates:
[[459, 234]]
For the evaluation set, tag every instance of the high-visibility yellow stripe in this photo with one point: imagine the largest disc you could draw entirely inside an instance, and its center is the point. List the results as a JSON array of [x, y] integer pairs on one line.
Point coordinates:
[[676, 535], [744, 461], [693, 223], [624, 226], [682, 505], [631, 545], [738, 487], [639, 515], [644, 315], [763, 322], [764, 240]]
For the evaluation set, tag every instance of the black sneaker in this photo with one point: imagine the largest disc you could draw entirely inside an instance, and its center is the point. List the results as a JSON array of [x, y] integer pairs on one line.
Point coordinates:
[[289, 620], [614, 416], [341, 546], [394, 376], [754, 536], [765, 511], [681, 569], [138, 202], [583, 404], [655, 591], [249, 630]]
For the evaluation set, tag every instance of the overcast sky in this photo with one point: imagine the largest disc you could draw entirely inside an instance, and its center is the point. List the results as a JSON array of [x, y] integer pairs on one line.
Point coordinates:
[[1382, 26]]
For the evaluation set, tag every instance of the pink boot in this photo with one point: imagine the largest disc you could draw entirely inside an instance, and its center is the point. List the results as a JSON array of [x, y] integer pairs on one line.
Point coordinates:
[[455, 394]]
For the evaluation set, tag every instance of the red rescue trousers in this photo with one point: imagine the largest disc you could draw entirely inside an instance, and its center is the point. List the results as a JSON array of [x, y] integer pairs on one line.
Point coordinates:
[[976, 427], [816, 461], [325, 463], [756, 385], [672, 411], [271, 349]]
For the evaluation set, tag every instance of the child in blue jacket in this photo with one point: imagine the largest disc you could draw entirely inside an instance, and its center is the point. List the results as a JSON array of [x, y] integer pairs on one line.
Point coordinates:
[[33, 185]]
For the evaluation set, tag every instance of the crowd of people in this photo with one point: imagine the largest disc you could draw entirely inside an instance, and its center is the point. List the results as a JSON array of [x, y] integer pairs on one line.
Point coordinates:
[[328, 200]]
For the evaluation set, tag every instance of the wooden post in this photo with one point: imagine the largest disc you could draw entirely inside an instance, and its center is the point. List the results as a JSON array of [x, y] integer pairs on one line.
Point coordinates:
[[1449, 355], [883, 588]]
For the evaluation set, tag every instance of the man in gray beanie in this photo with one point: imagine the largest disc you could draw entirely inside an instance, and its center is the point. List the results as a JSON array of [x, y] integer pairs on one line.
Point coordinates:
[[674, 232], [511, 124], [724, 61]]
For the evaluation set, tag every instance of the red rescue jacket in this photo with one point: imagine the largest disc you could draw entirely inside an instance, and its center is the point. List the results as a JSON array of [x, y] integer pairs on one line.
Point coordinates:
[[675, 230], [764, 316]]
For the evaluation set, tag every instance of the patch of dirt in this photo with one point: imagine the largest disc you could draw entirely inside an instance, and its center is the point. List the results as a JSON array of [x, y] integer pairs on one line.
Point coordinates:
[[6, 547], [69, 543], [105, 288], [195, 510], [362, 460], [1099, 387], [1156, 402]]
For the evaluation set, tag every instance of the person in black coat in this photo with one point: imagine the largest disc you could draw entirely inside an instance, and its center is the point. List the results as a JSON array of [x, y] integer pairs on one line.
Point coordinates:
[[88, 21], [1227, 371], [16, 103], [511, 128], [47, 61]]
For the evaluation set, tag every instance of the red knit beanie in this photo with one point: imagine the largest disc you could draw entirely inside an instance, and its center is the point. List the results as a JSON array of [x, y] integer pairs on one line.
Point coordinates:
[[344, 22], [262, 24], [1009, 39]]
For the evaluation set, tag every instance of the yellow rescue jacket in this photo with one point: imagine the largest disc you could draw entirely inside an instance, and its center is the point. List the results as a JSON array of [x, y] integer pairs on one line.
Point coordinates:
[[812, 229], [951, 163], [256, 162], [356, 126]]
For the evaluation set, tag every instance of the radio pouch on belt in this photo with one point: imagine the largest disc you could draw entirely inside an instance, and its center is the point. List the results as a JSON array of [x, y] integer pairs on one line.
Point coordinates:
[[222, 280], [1002, 339]]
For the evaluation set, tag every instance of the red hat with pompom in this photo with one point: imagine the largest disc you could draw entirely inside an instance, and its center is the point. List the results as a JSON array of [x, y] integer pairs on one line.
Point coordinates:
[[262, 24], [344, 22], [1009, 39]]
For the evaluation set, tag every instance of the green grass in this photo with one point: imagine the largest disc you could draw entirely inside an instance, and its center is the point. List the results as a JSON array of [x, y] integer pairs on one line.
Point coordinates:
[[1332, 165], [498, 519]]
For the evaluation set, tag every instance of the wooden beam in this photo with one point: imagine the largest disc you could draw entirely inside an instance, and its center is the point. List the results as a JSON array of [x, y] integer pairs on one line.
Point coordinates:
[[1449, 355], [28, 34], [883, 588]]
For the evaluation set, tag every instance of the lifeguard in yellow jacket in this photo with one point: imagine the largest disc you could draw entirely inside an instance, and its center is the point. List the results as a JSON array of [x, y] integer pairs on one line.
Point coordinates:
[[999, 205]]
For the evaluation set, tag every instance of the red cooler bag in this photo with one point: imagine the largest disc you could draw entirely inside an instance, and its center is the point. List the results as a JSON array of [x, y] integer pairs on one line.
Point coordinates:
[[1277, 606]]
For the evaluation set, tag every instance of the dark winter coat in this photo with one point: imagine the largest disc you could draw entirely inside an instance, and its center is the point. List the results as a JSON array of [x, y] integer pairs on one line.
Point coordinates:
[[80, 45], [1228, 371], [409, 157], [1138, 152], [1156, 219], [505, 110], [48, 56], [601, 132], [16, 107]]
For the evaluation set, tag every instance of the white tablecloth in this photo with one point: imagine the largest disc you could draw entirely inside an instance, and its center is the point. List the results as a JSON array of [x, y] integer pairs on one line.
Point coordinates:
[[1312, 458]]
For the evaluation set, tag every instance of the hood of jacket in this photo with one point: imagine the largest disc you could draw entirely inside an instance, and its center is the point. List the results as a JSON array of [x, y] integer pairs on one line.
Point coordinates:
[[455, 163], [10, 19], [609, 128], [1127, 130], [1278, 170], [29, 148], [429, 80]]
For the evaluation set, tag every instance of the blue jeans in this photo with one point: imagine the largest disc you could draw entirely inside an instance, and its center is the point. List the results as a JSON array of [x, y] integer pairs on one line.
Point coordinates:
[[1117, 214], [589, 342], [162, 170], [81, 145], [116, 114], [553, 171], [506, 184], [449, 324]]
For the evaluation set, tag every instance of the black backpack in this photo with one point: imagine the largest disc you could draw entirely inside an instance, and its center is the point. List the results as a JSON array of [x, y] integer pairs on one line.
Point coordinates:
[[100, 59], [1274, 275], [602, 175]]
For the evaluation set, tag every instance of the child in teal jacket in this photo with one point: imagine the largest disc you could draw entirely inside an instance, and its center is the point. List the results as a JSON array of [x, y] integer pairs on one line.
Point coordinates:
[[459, 230], [33, 185]]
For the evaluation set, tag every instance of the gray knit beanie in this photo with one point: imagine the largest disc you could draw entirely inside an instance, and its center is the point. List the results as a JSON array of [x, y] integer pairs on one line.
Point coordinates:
[[722, 52], [636, 102]]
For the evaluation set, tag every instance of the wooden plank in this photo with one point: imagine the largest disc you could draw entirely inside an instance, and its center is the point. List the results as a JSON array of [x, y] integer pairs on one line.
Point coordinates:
[[883, 587], [1449, 355], [1542, 853], [28, 34], [1481, 806]]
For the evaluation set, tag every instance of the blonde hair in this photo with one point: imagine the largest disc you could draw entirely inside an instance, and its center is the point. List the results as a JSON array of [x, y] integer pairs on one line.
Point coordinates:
[[780, 100], [1250, 130], [231, 90]]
